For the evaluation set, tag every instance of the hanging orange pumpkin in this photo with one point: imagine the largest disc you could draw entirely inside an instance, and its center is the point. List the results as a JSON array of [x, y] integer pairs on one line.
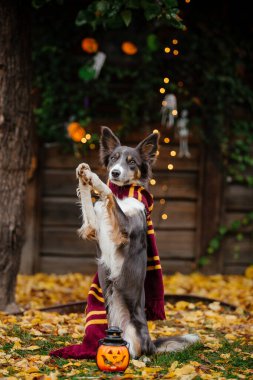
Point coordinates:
[[75, 131], [129, 48], [90, 45], [112, 354]]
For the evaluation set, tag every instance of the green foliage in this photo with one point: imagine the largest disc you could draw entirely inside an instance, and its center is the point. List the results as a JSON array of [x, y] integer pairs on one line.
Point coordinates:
[[119, 13], [236, 229]]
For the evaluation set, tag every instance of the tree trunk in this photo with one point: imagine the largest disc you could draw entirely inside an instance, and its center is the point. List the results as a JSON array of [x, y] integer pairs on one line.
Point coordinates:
[[15, 138]]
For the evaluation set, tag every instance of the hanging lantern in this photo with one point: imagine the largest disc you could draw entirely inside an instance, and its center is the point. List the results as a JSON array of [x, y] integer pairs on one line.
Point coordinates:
[[129, 48], [75, 131], [112, 354], [89, 45]]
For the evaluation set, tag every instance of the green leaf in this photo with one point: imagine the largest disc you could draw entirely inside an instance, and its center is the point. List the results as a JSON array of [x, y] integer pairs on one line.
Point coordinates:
[[126, 17], [203, 261], [102, 6], [239, 237], [152, 42], [81, 18], [223, 230], [151, 11], [86, 73]]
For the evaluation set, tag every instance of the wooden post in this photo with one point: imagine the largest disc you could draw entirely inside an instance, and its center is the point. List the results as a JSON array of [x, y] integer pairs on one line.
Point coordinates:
[[211, 207]]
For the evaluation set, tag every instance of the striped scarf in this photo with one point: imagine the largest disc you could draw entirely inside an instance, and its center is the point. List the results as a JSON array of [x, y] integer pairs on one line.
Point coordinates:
[[96, 321]]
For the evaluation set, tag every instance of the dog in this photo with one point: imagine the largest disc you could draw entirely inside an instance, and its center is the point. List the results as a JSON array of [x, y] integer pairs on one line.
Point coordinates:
[[119, 227]]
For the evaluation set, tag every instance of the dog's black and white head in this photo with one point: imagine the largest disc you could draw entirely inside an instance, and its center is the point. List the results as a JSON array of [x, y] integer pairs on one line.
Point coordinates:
[[128, 165]]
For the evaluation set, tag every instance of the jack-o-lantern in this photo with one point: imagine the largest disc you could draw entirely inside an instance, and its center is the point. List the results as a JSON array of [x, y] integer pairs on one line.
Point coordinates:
[[112, 354], [89, 45]]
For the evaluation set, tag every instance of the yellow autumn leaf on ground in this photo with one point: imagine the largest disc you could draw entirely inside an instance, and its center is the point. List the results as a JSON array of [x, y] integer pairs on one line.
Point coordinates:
[[138, 363]]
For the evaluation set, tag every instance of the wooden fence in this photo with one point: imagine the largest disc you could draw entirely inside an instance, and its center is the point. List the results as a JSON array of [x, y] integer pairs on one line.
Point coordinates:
[[196, 203]]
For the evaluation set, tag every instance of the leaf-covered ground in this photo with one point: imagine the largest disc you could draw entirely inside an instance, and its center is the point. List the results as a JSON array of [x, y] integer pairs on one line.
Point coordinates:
[[225, 351]]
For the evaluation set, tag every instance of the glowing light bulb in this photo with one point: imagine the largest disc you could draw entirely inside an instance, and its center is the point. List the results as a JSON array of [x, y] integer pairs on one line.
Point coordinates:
[[92, 146], [175, 52], [174, 112], [157, 153], [162, 90], [164, 103], [88, 136], [166, 80], [167, 49], [166, 140], [173, 153], [170, 167], [175, 42], [155, 131], [162, 201], [164, 216], [83, 140], [152, 182]]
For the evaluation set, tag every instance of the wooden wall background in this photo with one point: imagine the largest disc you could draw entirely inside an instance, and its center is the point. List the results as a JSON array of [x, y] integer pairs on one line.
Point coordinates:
[[196, 203]]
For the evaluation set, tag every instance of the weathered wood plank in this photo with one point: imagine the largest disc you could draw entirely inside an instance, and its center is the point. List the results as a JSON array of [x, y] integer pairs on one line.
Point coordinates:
[[61, 265], [176, 244], [239, 198], [55, 157], [234, 269], [66, 212], [175, 185], [238, 251], [59, 182], [180, 214], [65, 242]]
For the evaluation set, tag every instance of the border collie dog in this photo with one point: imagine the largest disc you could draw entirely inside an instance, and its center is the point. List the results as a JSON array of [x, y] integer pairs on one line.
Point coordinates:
[[120, 228]]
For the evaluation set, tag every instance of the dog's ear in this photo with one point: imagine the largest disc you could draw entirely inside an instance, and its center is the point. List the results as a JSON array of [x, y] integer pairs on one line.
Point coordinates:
[[108, 143], [148, 147]]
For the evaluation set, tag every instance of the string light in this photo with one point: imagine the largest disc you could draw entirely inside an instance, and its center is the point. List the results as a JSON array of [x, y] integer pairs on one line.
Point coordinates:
[[164, 216], [170, 167], [152, 181], [166, 140], [175, 52], [92, 146], [173, 153], [175, 42], [167, 49], [88, 136], [162, 201], [164, 103], [187, 1], [83, 140], [155, 131], [166, 80], [157, 153], [162, 90], [164, 187], [174, 112]]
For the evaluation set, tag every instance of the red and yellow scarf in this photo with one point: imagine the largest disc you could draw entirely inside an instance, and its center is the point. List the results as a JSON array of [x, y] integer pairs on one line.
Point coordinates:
[[96, 322]]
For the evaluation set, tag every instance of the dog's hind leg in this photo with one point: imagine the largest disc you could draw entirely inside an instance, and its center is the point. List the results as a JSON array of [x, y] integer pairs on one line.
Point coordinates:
[[88, 228]]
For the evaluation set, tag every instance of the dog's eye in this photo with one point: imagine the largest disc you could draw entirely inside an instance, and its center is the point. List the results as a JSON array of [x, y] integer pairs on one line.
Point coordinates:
[[132, 162], [114, 158]]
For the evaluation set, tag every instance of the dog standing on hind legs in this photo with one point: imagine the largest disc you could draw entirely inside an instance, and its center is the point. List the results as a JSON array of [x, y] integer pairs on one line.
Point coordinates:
[[120, 228]]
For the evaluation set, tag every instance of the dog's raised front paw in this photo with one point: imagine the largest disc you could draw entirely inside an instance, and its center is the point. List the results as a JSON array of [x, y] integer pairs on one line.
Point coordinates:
[[83, 173]]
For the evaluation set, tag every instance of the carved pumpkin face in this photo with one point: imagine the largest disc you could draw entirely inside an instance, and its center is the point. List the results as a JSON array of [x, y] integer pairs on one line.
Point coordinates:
[[112, 358]]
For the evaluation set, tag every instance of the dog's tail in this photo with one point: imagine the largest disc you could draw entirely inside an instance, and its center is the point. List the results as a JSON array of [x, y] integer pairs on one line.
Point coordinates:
[[175, 343]]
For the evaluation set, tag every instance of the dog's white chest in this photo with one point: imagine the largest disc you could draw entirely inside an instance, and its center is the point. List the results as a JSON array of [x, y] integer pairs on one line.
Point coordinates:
[[110, 257]]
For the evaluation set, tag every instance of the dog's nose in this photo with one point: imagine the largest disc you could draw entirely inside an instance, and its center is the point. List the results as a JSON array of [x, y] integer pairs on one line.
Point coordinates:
[[115, 173]]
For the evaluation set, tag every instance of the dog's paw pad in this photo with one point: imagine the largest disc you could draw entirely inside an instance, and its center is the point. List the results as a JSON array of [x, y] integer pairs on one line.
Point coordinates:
[[82, 171]]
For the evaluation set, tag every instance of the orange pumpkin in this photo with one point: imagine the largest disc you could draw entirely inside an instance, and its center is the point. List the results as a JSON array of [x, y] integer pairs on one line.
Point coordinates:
[[129, 48], [76, 131], [89, 45], [112, 354]]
